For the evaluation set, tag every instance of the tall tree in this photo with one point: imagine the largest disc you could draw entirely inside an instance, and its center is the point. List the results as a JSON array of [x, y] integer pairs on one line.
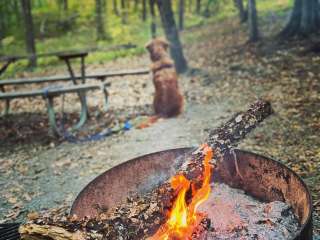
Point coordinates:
[[190, 4], [101, 33], [170, 29], [115, 7], [198, 7], [124, 12], [2, 24], [136, 5], [243, 14], [153, 18], [253, 21], [29, 32], [207, 9], [304, 19], [181, 14], [65, 5], [144, 10], [1, 30]]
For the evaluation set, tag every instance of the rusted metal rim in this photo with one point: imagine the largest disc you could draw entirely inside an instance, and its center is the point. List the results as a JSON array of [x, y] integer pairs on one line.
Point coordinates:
[[307, 225], [90, 195]]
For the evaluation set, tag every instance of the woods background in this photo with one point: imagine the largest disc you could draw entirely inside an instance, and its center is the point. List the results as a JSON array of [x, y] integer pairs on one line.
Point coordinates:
[[41, 26]]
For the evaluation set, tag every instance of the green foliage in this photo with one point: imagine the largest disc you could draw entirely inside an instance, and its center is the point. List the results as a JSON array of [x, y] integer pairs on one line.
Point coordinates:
[[58, 29]]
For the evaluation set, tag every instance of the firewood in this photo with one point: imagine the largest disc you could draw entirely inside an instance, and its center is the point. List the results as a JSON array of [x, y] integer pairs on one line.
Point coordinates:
[[141, 216], [34, 231]]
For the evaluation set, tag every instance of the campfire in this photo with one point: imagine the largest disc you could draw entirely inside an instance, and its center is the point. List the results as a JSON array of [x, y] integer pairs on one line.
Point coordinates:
[[211, 192], [184, 218]]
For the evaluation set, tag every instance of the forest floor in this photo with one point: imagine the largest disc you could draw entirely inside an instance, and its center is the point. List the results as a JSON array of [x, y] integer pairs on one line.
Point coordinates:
[[38, 171]]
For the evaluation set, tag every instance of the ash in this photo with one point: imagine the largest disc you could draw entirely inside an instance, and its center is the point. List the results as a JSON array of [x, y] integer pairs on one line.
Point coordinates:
[[235, 215]]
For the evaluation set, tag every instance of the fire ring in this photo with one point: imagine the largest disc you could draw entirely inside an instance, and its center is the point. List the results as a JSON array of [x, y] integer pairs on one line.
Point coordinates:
[[261, 177]]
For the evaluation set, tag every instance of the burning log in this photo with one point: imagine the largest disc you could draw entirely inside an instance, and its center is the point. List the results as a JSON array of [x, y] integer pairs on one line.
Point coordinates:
[[141, 216]]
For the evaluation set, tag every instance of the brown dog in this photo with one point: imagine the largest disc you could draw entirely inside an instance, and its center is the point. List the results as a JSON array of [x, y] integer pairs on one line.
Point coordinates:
[[168, 101]]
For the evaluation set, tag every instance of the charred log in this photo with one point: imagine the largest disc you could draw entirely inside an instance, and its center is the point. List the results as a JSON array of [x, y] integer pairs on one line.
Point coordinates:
[[141, 216]]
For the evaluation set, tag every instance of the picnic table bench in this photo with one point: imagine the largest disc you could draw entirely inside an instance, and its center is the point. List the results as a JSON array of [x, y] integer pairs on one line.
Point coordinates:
[[79, 87], [49, 93]]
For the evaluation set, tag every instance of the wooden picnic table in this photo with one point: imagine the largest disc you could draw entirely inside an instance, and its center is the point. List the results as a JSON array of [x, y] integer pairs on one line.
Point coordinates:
[[79, 87], [65, 56]]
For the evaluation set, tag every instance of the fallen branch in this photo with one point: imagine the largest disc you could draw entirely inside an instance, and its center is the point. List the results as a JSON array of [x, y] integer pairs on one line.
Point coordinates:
[[141, 216], [35, 232]]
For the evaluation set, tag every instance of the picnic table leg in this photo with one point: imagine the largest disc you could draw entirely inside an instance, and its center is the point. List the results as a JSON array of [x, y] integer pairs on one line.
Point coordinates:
[[84, 112], [52, 116], [106, 96], [71, 71], [6, 65], [7, 108], [83, 69], [73, 78], [7, 103], [2, 70]]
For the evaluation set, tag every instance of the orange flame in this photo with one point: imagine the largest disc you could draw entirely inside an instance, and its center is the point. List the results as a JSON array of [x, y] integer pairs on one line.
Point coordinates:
[[183, 218]]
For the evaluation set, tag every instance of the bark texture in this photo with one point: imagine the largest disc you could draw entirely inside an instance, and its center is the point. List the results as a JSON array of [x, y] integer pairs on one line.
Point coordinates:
[[304, 20], [153, 25], [29, 32], [198, 6], [181, 14], [141, 216], [115, 7], [101, 33], [253, 21], [124, 11], [172, 35], [243, 14], [144, 10]]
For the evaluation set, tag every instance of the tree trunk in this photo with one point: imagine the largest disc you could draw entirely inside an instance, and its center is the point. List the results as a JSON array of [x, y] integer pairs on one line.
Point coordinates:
[[171, 32], [181, 14], [153, 19], [304, 19], [136, 5], [243, 14], [65, 5], [253, 21], [101, 34], [144, 10], [124, 12], [2, 26], [207, 9], [198, 7], [29, 32], [190, 5], [115, 7]]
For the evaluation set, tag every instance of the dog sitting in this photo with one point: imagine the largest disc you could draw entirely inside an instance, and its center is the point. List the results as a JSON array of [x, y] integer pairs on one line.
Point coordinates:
[[167, 102]]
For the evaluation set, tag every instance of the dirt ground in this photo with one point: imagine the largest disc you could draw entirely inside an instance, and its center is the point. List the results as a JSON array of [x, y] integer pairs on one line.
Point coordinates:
[[39, 172]]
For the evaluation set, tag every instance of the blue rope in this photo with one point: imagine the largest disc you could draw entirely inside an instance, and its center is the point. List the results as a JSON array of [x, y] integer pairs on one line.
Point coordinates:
[[97, 136]]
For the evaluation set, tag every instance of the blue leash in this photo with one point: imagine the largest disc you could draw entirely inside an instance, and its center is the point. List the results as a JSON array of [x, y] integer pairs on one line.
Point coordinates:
[[97, 136]]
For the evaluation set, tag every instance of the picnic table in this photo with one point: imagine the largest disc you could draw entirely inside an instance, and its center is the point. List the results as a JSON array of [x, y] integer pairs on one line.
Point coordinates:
[[78, 86]]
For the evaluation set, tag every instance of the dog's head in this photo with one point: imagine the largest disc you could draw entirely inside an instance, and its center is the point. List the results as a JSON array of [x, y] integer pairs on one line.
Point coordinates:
[[157, 48]]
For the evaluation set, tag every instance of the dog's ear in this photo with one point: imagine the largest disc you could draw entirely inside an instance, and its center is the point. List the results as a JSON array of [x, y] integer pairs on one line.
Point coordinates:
[[148, 46]]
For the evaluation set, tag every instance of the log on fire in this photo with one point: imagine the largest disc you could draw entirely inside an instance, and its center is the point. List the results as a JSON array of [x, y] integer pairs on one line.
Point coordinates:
[[141, 216]]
